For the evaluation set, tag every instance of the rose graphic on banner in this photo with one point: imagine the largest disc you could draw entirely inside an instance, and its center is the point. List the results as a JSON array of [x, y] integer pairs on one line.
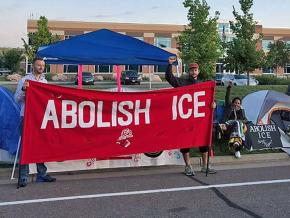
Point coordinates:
[[123, 139], [90, 162]]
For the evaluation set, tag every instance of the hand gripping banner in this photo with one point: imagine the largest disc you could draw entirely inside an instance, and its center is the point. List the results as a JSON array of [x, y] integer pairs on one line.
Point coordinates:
[[69, 124]]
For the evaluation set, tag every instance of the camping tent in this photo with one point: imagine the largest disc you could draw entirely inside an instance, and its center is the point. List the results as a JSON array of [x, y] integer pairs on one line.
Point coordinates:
[[265, 107], [9, 128]]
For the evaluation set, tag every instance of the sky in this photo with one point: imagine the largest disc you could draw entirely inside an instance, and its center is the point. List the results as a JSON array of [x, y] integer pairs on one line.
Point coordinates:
[[14, 13]]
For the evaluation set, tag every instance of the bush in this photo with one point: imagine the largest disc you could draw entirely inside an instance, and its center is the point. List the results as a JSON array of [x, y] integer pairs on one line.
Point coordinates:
[[145, 79], [22, 72], [272, 80], [109, 77], [48, 76]]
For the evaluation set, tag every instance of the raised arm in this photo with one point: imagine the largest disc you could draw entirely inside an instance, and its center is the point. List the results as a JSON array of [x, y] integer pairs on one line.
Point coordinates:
[[171, 79], [228, 95]]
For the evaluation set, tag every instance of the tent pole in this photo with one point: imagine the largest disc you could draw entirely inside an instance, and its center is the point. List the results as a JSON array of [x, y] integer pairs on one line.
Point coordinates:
[[150, 78], [118, 77], [15, 160], [207, 164], [210, 146], [80, 76]]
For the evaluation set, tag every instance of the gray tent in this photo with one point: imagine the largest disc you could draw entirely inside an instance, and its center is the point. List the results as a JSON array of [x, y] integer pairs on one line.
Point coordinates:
[[266, 107]]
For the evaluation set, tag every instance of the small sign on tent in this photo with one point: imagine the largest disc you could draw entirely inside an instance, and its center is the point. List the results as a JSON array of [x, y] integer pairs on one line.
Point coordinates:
[[264, 136]]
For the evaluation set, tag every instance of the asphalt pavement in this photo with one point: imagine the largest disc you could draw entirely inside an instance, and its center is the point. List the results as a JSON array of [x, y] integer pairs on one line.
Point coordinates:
[[259, 190]]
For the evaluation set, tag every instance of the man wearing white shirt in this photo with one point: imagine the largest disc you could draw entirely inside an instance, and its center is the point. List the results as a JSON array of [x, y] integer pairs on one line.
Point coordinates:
[[19, 96]]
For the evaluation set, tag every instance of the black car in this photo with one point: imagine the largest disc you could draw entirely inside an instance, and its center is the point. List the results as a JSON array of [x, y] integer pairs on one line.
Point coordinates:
[[130, 77], [87, 79]]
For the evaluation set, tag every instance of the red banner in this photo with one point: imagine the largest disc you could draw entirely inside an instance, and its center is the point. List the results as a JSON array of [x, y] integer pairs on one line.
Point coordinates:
[[69, 124]]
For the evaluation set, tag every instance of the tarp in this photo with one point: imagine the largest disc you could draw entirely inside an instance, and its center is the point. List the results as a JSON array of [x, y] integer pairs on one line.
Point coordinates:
[[9, 121], [104, 47]]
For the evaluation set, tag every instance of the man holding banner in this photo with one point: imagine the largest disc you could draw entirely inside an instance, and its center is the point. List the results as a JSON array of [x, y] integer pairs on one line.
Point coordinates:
[[180, 82], [36, 75]]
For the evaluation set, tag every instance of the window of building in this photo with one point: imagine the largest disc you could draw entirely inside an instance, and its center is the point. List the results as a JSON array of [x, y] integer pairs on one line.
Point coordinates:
[[104, 68], [185, 68], [29, 67], [219, 68], [138, 68], [287, 44], [162, 42], [227, 38], [287, 68], [47, 68], [160, 68], [266, 43], [69, 68], [224, 28], [268, 70]]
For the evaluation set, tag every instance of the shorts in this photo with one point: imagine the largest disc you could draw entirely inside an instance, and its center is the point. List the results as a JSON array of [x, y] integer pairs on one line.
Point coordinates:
[[202, 149]]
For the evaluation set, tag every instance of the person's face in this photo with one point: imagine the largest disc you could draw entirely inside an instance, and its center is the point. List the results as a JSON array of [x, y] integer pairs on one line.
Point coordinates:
[[237, 104], [38, 67], [194, 72]]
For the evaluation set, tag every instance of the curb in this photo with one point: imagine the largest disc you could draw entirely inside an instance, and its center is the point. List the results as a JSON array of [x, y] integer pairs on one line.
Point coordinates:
[[217, 160], [248, 158]]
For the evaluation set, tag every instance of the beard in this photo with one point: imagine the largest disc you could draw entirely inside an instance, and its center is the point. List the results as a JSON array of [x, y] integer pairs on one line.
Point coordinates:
[[39, 71]]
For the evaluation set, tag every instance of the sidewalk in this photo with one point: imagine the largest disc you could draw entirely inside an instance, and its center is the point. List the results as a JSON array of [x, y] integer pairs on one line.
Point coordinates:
[[218, 162], [248, 158]]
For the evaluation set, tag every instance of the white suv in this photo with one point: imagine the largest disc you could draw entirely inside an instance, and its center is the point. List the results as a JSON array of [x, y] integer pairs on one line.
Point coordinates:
[[238, 80]]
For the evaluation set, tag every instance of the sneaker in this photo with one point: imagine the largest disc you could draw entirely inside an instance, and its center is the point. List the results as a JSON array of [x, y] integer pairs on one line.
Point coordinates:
[[45, 178], [188, 171], [210, 170], [22, 183], [238, 154]]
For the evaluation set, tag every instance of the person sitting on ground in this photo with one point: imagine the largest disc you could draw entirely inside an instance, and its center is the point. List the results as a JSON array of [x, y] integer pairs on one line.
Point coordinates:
[[234, 122]]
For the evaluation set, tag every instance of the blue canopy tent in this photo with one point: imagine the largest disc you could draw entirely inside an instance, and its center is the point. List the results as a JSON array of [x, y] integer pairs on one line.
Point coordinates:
[[9, 120], [103, 47]]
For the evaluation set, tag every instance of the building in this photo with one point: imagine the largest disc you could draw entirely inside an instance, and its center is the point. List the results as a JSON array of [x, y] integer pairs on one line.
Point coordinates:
[[161, 35], [269, 36]]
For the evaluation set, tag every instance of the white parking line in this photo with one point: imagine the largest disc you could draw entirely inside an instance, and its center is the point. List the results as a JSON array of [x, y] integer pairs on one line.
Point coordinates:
[[144, 192]]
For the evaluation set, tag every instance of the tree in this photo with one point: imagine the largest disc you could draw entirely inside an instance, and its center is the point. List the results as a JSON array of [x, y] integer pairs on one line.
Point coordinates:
[[39, 38], [242, 54], [200, 42], [12, 59], [1, 60], [278, 55]]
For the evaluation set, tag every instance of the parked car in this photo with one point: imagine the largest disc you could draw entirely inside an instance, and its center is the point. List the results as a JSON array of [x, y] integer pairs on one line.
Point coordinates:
[[87, 79], [218, 78], [4, 71], [130, 77], [238, 80]]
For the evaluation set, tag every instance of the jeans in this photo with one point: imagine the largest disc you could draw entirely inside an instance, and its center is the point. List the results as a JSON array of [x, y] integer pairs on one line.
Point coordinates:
[[24, 171], [24, 168]]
